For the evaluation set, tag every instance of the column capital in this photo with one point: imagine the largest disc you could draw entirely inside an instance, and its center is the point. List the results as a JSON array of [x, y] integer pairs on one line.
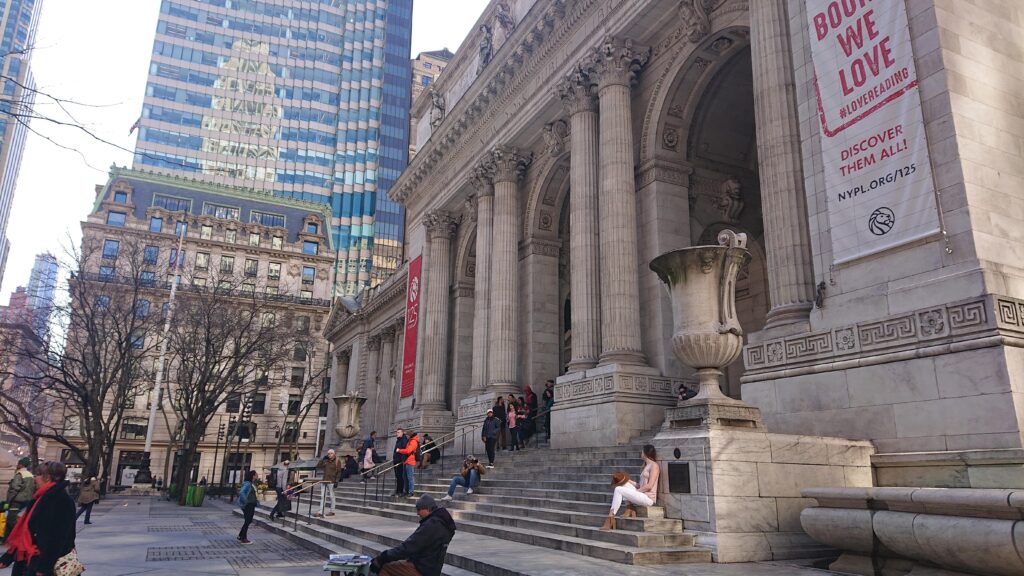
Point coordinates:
[[373, 342], [441, 224], [576, 92], [344, 355], [509, 164], [399, 323], [387, 333], [482, 177], [617, 61]]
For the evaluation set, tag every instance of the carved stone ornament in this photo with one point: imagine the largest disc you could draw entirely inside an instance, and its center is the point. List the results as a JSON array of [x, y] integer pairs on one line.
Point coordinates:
[[441, 224], [373, 342], [482, 177], [730, 200], [470, 208], [555, 134], [617, 61], [486, 47], [503, 15], [437, 109], [576, 92], [694, 16], [349, 408], [509, 164], [670, 138]]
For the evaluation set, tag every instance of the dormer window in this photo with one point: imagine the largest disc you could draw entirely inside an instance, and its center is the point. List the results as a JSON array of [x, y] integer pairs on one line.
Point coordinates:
[[121, 197], [312, 228]]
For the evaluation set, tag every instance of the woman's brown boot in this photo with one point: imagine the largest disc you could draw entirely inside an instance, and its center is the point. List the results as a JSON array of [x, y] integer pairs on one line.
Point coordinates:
[[609, 523], [630, 512]]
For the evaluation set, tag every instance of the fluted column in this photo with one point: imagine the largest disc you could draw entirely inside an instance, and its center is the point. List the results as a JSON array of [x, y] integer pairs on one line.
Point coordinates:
[[509, 168], [373, 349], [383, 393], [483, 181], [339, 382], [783, 202], [615, 65], [576, 92], [440, 230]]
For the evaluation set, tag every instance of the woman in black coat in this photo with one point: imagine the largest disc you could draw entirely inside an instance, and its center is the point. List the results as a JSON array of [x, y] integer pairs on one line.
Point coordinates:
[[47, 531]]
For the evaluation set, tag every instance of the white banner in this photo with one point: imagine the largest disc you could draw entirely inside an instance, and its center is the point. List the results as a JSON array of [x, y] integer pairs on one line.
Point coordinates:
[[877, 175]]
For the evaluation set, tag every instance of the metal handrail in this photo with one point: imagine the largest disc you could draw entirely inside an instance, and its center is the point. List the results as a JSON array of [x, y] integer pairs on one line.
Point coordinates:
[[439, 444], [298, 506]]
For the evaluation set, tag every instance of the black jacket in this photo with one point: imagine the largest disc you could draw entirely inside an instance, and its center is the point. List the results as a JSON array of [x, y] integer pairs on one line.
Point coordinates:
[[491, 427], [399, 444], [52, 527], [426, 547]]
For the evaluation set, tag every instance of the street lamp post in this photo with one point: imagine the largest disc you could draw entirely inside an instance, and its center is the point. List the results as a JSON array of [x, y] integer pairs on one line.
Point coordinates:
[[144, 476]]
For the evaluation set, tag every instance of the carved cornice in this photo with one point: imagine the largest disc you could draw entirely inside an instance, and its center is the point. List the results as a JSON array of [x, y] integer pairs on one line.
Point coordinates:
[[663, 171], [577, 92], [616, 61], [441, 224], [509, 164], [540, 247], [373, 342]]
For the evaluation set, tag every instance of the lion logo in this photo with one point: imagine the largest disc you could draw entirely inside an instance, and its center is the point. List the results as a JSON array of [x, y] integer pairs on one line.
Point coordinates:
[[881, 221]]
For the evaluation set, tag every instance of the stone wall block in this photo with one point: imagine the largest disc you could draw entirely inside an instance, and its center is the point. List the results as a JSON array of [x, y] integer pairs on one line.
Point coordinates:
[[788, 449], [787, 480], [745, 514]]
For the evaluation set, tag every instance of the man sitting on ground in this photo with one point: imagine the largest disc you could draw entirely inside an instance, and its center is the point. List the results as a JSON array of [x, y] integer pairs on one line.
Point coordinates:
[[422, 553], [469, 477]]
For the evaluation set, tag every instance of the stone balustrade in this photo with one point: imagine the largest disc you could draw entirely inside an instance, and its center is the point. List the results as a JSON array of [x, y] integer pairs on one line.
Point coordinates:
[[938, 531]]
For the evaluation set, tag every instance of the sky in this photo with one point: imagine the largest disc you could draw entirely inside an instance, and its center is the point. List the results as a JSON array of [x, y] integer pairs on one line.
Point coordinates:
[[94, 54]]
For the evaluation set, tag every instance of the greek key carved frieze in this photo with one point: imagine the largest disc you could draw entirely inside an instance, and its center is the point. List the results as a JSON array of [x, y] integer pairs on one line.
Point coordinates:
[[1010, 313], [887, 331], [628, 384]]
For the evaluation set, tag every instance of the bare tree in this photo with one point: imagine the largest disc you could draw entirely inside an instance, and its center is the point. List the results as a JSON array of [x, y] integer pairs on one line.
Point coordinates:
[[101, 366], [224, 341], [22, 409], [309, 393]]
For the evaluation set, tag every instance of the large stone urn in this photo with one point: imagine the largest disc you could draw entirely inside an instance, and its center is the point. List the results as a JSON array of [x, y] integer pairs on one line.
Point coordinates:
[[701, 282], [349, 409]]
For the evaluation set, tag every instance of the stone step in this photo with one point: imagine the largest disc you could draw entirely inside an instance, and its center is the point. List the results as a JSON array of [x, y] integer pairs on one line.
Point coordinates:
[[488, 489], [522, 501]]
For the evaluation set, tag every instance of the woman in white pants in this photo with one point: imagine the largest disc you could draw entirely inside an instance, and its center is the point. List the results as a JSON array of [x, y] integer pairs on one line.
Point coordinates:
[[642, 493]]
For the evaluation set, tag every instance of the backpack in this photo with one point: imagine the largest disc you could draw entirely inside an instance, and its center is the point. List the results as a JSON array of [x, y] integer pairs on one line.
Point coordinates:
[[272, 480]]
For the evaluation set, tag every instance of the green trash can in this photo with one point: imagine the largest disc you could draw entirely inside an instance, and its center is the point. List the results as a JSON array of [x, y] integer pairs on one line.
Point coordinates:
[[190, 493], [198, 496]]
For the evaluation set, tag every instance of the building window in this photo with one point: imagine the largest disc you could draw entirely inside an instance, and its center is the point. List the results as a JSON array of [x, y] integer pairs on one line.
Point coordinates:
[[150, 254], [294, 404], [220, 211], [268, 319], [274, 271], [248, 288], [134, 428], [172, 204], [251, 267], [138, 338], [254, 238], [227, 264], [202, 261], [259, 403], [115, 219], [199, 281], [312, 228], [277, 242], [206, 232], [181, 228], [291, 432], [272, 290], [156, 224], [308, 274], [173, 257], [302, 324], [110, 249], [306, 294], [425, 80], [428, 65], [298, 376], [229, 236], [233, 403], [299, 354], [267, 219], [102, 302], [121, 197], [147, 278], [311, 248]]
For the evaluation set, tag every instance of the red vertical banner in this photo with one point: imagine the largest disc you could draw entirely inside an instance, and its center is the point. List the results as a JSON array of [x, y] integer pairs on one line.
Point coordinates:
[[412, 322]]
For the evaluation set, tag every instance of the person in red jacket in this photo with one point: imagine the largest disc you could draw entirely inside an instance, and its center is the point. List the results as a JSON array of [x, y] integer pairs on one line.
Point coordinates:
[[410, 462]]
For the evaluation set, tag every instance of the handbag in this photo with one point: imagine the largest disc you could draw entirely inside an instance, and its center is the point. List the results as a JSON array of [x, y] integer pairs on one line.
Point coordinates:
[[68, 565]]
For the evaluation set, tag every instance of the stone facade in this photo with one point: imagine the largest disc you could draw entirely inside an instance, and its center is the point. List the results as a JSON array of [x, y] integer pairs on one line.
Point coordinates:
[[590, 137]]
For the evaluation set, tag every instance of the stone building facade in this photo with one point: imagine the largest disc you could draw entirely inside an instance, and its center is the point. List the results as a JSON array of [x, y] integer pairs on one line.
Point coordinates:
[[277, 249], [579, 139]]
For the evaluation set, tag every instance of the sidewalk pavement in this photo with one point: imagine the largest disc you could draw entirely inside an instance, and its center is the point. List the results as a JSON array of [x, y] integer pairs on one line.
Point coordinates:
[[152, 537]]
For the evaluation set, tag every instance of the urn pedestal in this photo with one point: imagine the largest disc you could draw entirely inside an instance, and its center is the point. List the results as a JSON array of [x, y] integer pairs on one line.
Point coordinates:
[[349, 408], [735, 486]]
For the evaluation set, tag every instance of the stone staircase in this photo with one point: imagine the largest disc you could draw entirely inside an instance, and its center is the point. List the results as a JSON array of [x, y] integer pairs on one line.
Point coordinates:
[[549, 499]]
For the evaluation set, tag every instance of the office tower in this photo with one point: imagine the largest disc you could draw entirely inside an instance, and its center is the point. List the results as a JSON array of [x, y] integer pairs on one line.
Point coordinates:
[[298, 99], [41, 286], [19, 20]]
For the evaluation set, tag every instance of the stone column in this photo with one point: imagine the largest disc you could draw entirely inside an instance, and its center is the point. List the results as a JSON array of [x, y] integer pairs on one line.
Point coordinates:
[[576, 92], [615, 65], [483, 181], [509, 168], [341, 368], [373, 348], [783, 201], [383, 395], [440, 228]]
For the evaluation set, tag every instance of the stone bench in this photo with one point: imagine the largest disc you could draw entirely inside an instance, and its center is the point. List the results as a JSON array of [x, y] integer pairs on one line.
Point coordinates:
[[913, 530]]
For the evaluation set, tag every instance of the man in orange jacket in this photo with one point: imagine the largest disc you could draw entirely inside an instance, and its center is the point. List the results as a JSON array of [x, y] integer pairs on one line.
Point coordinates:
[[410, 462]]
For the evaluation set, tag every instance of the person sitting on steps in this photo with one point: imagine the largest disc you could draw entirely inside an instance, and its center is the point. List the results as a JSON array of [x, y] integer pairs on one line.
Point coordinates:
[[469, 477], [635, 494]]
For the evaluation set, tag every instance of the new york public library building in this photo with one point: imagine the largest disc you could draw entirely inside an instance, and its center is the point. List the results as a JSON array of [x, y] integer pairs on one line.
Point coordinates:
[[870, 151]]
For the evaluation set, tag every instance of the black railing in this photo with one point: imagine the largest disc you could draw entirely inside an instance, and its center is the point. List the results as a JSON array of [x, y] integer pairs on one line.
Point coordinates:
[[380, 472], [234, 292]]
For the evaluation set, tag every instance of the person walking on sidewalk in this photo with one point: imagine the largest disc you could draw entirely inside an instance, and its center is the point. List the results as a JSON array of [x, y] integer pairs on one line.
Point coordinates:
[[89, 495], [368, 464], [422, 553], [19, 493], [410, 462], [280, 487], [469, 477], [398, 462], [331, 465], [45, 531], [489, 434], [247, 501]]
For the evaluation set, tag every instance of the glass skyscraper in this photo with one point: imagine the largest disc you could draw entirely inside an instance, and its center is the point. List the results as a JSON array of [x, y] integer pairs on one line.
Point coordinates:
[[19, 20], [301, 99]]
